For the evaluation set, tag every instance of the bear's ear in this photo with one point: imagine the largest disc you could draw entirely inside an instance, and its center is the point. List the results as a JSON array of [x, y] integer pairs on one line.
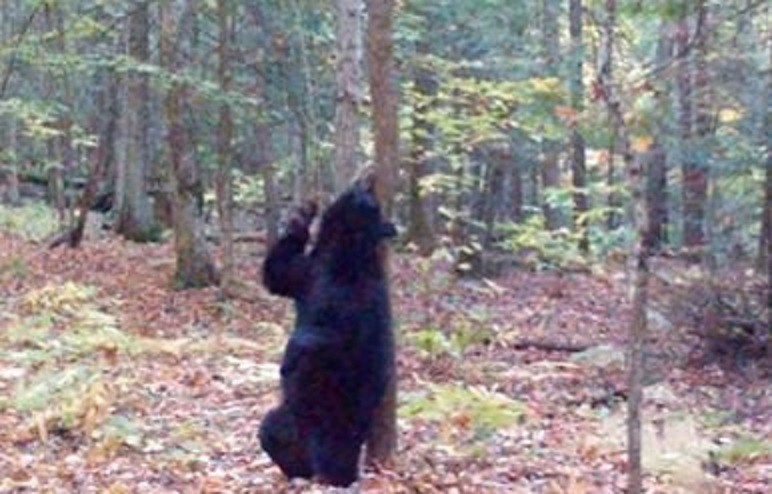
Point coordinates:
[[366, 179]]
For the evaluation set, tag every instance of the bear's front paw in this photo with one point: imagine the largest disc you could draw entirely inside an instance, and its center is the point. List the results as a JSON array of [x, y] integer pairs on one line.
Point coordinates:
[[302, 217]]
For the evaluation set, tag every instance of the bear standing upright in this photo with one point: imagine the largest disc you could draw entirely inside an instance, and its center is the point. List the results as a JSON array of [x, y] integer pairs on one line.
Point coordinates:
[[337, 361]]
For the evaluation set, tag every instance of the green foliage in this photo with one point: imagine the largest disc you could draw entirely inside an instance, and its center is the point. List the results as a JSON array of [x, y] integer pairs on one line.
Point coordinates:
[[433, 343], [542, 248], [247, 189], [64, 342], [743, 450], [15, 267], [486, 411], [34, 221]]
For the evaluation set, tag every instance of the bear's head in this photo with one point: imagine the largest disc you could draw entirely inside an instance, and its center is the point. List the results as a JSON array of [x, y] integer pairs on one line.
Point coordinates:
[[355, 220]]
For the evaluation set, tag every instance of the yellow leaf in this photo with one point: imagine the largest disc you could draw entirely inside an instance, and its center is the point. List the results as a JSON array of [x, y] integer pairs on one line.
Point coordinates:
[[642, 144], [729, 115]]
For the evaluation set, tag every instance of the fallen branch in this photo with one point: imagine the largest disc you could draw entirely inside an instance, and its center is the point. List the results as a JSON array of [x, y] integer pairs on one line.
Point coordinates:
[[550, 346]]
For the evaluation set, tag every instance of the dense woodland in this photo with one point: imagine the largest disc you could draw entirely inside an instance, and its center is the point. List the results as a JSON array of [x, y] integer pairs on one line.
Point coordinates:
[[581, 284]]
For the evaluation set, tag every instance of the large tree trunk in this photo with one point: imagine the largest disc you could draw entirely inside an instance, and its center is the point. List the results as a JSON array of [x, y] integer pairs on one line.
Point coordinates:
[[135, 216], [550, 167], [382, 442], [348, 80], [578, 160], [194, 264]]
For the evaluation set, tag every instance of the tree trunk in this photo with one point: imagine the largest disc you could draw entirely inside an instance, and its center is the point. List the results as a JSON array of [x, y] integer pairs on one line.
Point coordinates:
[[420, 230], [104, 156], [9, 178], [348, 80], [640, 258], [516, 188], [224, 148], [265, 145], [656, 176], [694, 179], [264, 139], [382, 441], [606, 70], [656, 196], [55, 168], [194, 265], [550, 169], [578, 159], [765, 242], [135, 215]]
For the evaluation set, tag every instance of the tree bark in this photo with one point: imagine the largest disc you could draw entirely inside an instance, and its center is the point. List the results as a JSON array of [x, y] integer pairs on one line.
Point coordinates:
[[104, 156], [194, 265], [578, 159], [382, 441], [9, 178], [550, 169], [224, 147], [135, 215], [348, 81], [420, 231], [606, 70], [765, 242], [640, 288], [657, 159], [694, 178]]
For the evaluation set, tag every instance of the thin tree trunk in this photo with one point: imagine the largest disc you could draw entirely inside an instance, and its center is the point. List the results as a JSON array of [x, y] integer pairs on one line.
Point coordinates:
[[656, 176], [102, 159], [516, 189], [66, 122], [224, 148], [640, 257], [696, 177], [55, 172], [9, 179], [606, 70], [420, 230], [348, 81], [694, 183], [382, 441], [550, 169], [265, 145], [578, 159], [765, 242]]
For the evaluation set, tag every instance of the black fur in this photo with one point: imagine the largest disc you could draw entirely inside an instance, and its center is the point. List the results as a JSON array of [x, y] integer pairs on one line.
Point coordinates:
[[336, 364]]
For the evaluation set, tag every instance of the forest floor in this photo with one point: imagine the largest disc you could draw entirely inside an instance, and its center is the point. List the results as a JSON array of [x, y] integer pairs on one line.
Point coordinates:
[[111, 382]]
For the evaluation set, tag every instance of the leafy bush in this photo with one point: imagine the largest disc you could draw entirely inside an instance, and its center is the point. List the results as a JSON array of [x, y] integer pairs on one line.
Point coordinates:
[[541, 247], [744, 449], [34, 221], [482, 410], [56, 342]]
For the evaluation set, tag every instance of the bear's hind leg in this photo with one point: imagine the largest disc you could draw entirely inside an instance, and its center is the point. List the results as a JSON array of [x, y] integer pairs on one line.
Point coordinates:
[[279, 438]]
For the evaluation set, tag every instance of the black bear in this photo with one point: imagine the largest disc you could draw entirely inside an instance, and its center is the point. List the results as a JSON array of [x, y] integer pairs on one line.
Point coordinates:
[[336, 364]]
